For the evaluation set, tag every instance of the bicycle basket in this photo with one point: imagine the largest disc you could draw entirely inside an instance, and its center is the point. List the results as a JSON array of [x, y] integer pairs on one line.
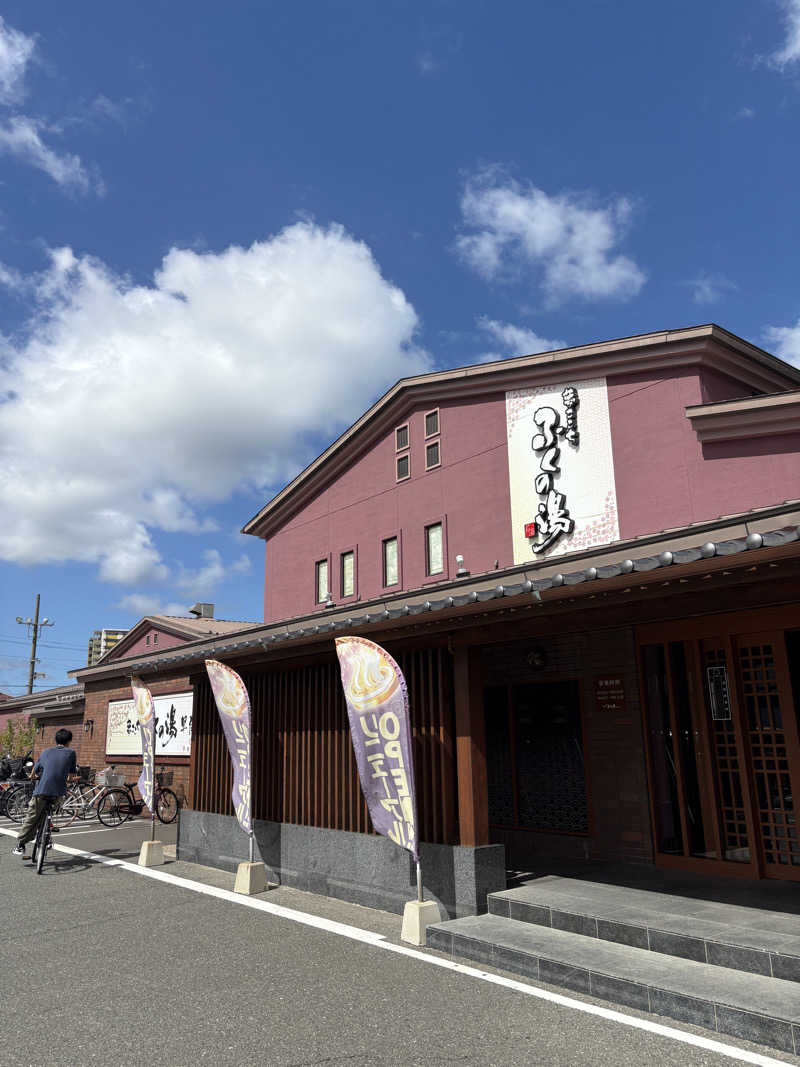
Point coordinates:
[[164, 777], [115, 781], [84, 773]]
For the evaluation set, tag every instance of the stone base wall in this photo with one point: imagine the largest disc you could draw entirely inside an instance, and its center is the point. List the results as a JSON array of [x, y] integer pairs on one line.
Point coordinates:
[[362, 868]]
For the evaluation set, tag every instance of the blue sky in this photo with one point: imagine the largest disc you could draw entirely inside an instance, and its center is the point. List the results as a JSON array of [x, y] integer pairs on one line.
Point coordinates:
[[225, 230]]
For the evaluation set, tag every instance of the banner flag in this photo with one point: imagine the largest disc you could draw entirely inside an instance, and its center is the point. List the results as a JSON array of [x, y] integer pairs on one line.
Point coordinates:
[[377, 705], [233, 705], [146, 714]]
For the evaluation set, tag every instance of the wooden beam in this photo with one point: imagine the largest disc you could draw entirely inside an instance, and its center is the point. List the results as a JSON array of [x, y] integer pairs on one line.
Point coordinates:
[[473, 793]]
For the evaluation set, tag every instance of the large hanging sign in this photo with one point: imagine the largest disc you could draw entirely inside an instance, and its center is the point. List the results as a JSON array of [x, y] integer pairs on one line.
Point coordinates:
[[146, 714], [173, 726], [561, 469], [233, 705], [377, 706]]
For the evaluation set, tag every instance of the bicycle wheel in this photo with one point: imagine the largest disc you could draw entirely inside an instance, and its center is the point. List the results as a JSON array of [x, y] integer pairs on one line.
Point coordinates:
[[114, 807], [44, 841], [17, 803], [37, 842], [167, 806], [66, 812]]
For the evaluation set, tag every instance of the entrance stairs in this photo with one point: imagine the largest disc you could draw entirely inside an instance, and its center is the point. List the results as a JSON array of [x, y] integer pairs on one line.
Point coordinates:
[[731, 969]]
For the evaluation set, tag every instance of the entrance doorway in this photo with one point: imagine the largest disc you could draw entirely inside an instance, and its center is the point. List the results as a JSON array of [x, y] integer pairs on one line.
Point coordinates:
[[724, 753]]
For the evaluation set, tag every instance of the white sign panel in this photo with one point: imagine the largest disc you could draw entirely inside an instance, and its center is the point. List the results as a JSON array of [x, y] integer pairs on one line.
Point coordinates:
[[561, 469], [173, 726]]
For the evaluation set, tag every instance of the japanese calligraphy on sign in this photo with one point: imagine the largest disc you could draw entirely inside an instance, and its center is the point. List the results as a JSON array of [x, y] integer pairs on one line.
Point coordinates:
[[560, 468], [173, 726], [377, 706], [609, 694], [146, 714], [553, 517], [233, 705]]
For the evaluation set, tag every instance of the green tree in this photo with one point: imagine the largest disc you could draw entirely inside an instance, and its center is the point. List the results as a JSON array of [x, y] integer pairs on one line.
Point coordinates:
[[18, 737]]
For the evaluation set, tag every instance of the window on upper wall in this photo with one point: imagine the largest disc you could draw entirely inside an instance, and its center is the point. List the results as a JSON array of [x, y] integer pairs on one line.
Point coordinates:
[[434, 549], [391, 562], [321, 569], [147, 640], [401, 438], [155, 639], [348, 573], [403, 467], [433, 457], [432, 422]]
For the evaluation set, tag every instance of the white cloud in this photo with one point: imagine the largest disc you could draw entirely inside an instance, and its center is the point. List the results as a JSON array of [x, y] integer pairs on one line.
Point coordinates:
[[746, 113], [708, 288], [20, 137], [784, 341], [515, 340], [131, 408], [202, 583], [789, 52], [16, 50], [568, 240], [142, 604]]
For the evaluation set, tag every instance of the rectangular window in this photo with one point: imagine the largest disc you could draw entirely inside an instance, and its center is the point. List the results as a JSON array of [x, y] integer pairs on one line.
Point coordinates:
[[391, 568], [348, 573], [322, 580], [432, 423], [434, 555], [403, 467], [155, 639], [432, 455], [401, 438]]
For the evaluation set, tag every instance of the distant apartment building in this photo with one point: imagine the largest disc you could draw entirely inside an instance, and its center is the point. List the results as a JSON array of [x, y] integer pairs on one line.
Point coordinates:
[[101, 642]]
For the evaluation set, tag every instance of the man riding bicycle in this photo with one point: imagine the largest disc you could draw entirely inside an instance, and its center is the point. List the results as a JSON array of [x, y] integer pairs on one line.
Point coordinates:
[[53, 768]]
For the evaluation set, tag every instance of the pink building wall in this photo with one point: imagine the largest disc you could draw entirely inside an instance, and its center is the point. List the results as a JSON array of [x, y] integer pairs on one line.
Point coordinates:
[[664, 478], [469, 492], [140, 647]]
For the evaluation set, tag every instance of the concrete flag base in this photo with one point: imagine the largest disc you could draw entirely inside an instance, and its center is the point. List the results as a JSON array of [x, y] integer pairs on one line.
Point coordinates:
[[151, 854], [250, 878], [418, 915]]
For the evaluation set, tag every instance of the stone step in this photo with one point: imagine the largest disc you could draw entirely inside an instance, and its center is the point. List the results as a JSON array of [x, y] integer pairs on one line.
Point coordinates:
[[747, 1006], [726, 935]]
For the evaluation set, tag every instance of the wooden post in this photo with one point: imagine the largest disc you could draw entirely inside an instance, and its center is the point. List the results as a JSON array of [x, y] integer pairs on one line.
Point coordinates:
[[473, 794]]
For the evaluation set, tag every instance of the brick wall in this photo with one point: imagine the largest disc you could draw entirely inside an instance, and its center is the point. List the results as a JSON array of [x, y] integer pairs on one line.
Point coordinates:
[[98, 695]]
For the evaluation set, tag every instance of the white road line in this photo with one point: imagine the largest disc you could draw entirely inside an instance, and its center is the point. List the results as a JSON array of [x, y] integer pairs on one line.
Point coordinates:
[[355, 933]]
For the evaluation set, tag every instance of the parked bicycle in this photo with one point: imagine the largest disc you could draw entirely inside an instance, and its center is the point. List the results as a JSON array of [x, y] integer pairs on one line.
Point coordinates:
[[119, 803]]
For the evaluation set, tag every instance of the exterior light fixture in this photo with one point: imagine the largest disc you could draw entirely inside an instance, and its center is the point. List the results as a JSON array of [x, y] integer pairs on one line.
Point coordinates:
[[88, 726], [461, 570]]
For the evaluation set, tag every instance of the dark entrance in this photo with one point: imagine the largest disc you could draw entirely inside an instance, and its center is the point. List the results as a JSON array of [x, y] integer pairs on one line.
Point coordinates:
[[535, 757], [721, 723]]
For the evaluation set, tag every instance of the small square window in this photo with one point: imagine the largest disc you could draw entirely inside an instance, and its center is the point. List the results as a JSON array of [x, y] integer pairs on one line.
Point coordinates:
[[432, 458], [321, 568], [391, 569], [403, 467], [401, 438], [434, 549], [348, 573], [432, 423]]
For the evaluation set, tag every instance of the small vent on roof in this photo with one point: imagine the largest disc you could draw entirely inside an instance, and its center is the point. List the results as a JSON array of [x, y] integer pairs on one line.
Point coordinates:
[[202, 611]]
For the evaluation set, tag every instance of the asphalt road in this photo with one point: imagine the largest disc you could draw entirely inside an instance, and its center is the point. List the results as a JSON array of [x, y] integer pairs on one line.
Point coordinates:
[[101, 965]]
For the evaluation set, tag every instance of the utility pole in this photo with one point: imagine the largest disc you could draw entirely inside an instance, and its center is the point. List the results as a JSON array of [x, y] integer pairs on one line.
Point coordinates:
[[34, 626]]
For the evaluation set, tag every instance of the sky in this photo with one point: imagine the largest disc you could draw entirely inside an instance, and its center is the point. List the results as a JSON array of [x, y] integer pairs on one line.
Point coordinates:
[[226, 230]]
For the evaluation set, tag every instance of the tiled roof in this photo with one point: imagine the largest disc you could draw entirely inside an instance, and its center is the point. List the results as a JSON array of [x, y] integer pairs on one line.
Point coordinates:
[[203, 626]]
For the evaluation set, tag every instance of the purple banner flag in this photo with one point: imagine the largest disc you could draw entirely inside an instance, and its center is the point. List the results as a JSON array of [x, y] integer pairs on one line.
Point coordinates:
[[233, 705], [146, 714], [377, 705]]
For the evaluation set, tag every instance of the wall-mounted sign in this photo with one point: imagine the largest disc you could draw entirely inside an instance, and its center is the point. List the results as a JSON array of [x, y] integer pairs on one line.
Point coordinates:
[[718, 695], [561, 469], [173, 726], [609, 694]]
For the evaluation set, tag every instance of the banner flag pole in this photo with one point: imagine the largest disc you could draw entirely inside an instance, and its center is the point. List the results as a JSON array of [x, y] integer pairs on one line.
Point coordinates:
[[233, 706], [152, 852], [376, 696]]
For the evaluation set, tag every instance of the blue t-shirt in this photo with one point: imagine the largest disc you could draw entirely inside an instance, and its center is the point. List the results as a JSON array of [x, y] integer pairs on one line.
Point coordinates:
[[54, 765]]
